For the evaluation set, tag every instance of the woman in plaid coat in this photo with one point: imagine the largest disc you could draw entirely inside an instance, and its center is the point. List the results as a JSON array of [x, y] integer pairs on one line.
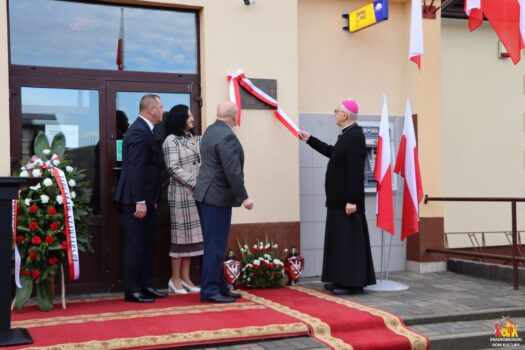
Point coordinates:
[[181, 151]]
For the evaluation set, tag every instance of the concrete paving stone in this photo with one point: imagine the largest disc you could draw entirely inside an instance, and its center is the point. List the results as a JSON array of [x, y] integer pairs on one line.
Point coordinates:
[[303, 343]]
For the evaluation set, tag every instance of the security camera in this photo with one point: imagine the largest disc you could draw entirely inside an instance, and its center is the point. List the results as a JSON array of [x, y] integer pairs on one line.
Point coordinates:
[[249, 2]]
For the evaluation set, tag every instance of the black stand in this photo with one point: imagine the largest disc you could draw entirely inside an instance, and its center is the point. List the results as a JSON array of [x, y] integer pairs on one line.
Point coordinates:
[[8, 191]]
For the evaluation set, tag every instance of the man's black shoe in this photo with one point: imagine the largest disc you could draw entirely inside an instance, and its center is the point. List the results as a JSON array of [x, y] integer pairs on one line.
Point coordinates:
[[232, 294], [137, 297], [217, 298], [153, 293]]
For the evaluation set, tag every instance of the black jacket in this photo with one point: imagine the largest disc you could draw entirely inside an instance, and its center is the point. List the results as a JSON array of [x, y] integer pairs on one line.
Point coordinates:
[[140, 176], [345, 173]]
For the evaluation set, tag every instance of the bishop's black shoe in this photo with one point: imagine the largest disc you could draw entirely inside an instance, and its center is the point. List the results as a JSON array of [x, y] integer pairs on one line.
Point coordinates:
[[330, 286], [348, 291]]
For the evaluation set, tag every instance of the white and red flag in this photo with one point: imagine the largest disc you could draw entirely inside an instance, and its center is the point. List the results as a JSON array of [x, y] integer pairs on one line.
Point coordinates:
[[416, 33], [407, 165], [474, 13], [505, 18], [120, 45], [522, 20], [383, 175]]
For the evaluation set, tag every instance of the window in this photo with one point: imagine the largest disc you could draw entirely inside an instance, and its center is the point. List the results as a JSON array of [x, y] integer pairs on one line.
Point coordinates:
[[82, 35]]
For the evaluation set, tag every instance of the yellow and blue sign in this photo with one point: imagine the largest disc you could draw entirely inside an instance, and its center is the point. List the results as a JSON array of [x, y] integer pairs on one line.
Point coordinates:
[[367, 15]]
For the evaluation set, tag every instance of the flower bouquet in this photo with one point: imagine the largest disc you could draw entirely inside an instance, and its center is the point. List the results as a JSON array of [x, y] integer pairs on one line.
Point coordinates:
[[263, 265], [40, 219]]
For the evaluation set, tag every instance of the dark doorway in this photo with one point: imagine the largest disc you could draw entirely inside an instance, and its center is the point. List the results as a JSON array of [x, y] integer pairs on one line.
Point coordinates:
[[95, 110]]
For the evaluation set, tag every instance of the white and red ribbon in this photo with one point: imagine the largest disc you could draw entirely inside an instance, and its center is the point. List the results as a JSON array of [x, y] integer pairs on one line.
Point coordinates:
[[18, 260], [240, 79], [70, 231]]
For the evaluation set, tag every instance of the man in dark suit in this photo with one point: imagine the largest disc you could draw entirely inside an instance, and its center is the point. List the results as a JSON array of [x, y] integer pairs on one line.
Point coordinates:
[[138, 191], [347, 260], [220, 186]]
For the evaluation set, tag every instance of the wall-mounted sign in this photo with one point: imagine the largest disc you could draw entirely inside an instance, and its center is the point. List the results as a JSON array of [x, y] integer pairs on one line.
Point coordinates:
[[367, 15]]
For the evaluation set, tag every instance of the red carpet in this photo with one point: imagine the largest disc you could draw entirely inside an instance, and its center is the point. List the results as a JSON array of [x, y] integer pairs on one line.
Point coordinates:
[[341, 323], [183, 320], [176, 320]]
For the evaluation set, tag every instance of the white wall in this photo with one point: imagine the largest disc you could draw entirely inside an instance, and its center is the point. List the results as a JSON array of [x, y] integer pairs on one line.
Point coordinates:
[[483, 105]]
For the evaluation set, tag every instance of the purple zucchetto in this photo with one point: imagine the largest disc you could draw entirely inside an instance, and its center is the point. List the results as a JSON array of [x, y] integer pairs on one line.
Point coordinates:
[[350, 105]]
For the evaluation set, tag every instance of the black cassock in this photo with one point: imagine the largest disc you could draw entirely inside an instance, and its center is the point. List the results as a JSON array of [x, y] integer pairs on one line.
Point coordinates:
[[347, 255]]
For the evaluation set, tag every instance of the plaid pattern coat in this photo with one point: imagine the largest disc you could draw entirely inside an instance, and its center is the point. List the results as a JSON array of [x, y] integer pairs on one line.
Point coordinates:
[[182, 158]]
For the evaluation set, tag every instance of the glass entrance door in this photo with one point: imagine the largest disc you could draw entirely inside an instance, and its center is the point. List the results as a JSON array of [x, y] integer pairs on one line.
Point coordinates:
[[41, 104], [123, 104], [94, 115]]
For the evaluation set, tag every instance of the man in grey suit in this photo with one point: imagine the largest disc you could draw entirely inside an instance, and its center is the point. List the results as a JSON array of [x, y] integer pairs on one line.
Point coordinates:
[[220, 186]]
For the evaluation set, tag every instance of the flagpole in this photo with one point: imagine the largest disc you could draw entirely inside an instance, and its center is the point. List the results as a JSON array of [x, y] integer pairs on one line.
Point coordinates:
[[385, 285], [388, 259], [382, 244]]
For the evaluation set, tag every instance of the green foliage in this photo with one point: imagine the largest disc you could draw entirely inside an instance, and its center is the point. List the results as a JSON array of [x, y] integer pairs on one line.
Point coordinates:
[[263, 265], [58, 145], [41, 143], [41, 223], [23, 294]]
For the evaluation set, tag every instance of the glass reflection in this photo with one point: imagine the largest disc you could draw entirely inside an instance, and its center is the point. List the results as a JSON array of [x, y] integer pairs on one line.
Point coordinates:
[[128, 104], [74, 112], [82, 35]]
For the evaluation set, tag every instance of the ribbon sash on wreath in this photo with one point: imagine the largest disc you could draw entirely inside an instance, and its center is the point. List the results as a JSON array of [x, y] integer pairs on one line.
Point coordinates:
[[70, 232], [18, 260]]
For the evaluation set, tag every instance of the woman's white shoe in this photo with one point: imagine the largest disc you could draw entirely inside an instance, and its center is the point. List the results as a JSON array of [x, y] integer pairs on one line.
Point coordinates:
[[190, 288], [173, 289]]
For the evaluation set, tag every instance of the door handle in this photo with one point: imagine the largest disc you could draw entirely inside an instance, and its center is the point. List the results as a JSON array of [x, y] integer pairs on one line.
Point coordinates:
[[117, 168]]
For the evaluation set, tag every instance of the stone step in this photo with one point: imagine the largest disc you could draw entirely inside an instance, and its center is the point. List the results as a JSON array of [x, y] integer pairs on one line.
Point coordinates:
[[485, 314], [468, 335]]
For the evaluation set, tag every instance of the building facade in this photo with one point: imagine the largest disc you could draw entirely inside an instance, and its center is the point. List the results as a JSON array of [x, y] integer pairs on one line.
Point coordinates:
[[58, 71]]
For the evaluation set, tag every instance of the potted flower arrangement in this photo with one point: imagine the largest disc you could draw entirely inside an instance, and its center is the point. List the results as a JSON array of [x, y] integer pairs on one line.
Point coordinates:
[[40, 220], [263, 265]]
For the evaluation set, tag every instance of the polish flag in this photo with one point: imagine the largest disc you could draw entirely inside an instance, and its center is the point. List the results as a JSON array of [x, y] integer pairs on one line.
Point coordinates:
[[504, 16], [407, 165], [120, 46], [383, 175], [416, 33], [474, 13]]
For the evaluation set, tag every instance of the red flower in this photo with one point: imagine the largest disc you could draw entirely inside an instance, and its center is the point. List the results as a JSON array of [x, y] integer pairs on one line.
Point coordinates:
[[33, 255], [24, 273], [51, 211], [64, 245], [53, 260], [54, 226], [35, 274], [44, 166], [33, 225], [36, 240], [49, 239], [33, 209], [20, 239]]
